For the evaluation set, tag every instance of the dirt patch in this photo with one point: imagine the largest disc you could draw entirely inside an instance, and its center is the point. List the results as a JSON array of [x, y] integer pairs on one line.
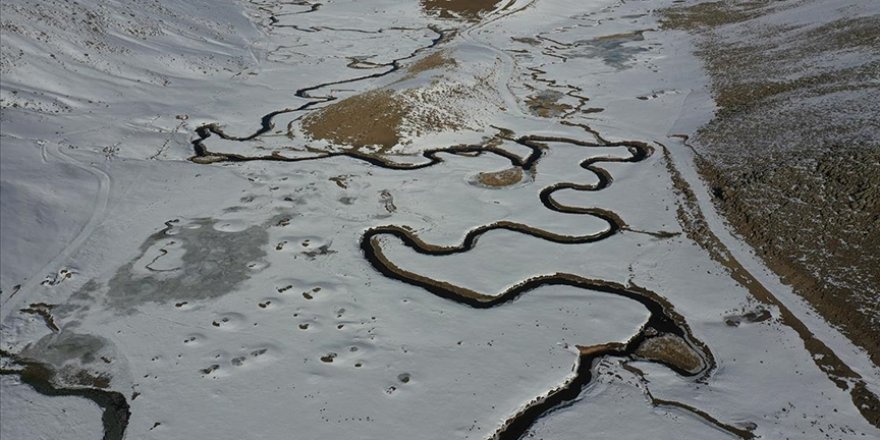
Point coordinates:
[[671, 350], [711, 14], [692, 221], [436, 60], [86, 379], [369, 119], [374, 122], [527, 40], [759, 315], [793, 154], [546, 104], [831, 197], [470, 10], [44, 311], [499, 179]]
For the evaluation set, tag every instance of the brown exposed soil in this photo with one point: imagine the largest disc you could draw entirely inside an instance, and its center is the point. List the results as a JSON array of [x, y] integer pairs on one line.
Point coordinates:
[[375, 121], [470, 10], [436, 60], [694, 224], [44, 311], [546, 104], [527, 40], [832, 199], [759, 315], [703, 18], [86, 379], [671, 350], [498, 179], [711, 14], [793, 154], [622, 37], [368, 119]]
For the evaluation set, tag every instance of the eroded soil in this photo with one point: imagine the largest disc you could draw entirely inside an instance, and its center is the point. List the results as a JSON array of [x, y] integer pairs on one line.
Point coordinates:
[[470, 10], [371, 118]]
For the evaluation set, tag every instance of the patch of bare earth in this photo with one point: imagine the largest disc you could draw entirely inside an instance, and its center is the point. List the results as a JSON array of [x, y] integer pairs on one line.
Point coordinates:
[[671, 350], [793, 154], [375, 121], [546, 104], [500, 179], [369, 119], [462, 9], [436, 60]]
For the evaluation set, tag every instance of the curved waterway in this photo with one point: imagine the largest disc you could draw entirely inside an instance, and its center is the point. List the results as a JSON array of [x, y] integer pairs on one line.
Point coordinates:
[[662, 321]]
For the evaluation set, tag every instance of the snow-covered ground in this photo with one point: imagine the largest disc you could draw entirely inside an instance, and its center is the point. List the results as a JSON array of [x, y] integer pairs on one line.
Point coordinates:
[[278, 285]]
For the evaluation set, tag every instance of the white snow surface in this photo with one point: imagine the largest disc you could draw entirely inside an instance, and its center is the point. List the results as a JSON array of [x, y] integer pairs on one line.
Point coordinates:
[[221, 291]]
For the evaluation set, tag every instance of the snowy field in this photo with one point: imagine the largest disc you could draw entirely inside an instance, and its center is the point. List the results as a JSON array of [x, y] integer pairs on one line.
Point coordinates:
[[383, 220]]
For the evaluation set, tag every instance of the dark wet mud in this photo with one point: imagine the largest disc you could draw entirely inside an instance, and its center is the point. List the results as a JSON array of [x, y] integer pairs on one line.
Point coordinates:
[[45, 380]]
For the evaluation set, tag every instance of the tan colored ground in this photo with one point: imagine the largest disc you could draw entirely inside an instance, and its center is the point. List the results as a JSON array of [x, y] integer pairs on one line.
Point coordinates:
[[436, 60], [375, 121], [695, 226], [466, 9], [671, 350], [696, 15], [498, 179], [371, 118], [546, 104], [793, 154]]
